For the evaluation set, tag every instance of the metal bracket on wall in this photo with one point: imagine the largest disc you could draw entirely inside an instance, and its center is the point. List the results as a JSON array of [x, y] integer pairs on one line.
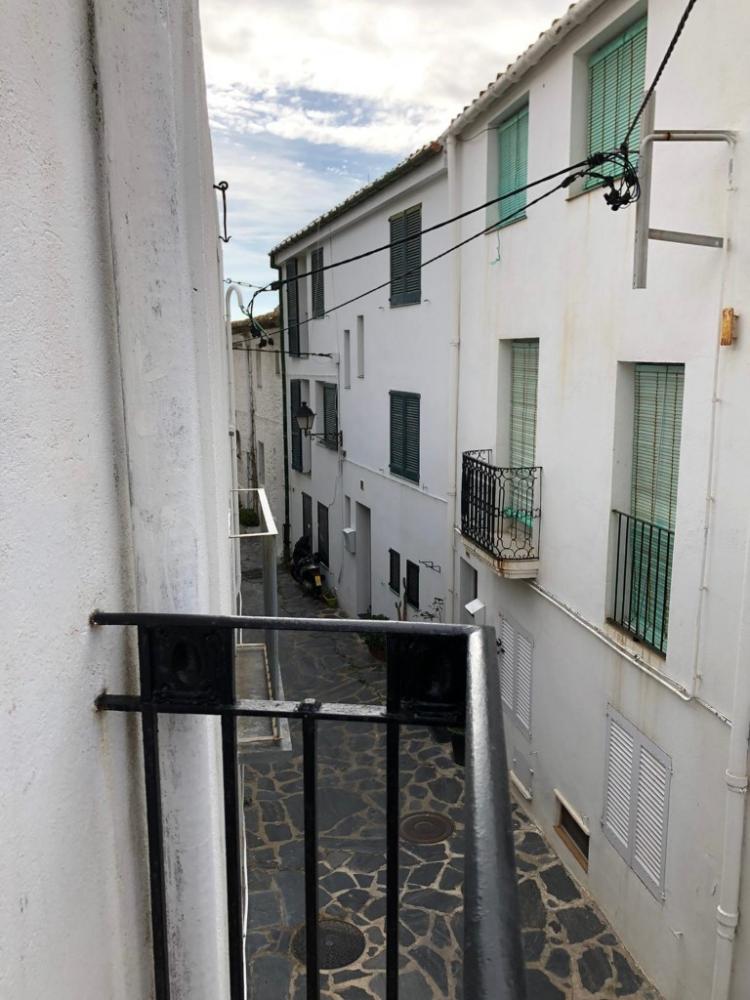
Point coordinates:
[[643, 231]]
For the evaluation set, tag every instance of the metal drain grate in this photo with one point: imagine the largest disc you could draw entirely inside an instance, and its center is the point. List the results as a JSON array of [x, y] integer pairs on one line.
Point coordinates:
[[426, 828], [339, 944]]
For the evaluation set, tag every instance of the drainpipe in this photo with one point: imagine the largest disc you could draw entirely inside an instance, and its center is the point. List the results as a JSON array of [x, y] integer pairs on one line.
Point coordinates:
[[727, 912], [284, 422], [161, 222], [455, 368]]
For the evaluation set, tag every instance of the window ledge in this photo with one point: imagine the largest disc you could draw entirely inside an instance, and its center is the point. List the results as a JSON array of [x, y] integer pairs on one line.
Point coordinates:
[[507, 224], [400, 305], [404, 477]]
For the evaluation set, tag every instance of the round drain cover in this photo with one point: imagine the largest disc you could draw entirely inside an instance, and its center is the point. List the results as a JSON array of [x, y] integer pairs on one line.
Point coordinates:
[[426, 828], [339, 944]]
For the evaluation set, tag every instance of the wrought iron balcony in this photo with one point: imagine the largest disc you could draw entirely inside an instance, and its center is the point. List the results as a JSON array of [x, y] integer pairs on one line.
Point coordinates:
[[437, 674], [643, 576], [500, 512]]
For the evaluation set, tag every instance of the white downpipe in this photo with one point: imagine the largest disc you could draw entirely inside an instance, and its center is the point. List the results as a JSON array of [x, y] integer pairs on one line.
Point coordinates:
[[727, 912], [148, 71], [234, 514], [455, 366]]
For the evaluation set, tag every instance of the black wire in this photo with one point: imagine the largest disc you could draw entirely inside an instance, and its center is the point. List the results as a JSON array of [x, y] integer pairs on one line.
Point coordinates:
[[563, 184], [667, 56]]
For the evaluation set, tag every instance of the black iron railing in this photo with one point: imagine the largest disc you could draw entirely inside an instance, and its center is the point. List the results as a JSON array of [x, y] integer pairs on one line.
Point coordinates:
[[501, 508], [187, 666], [643, 577]]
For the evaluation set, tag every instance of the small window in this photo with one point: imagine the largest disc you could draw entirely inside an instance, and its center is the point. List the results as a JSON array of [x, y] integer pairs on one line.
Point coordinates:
[[323, 553], [307, 522], [412, 584], [318, 291], [394, 574], [572, 834], [617, 76], [360, 346], [513, 148], [347, 359], [330, 415], [406, 256], [405, 435], [292, 307]]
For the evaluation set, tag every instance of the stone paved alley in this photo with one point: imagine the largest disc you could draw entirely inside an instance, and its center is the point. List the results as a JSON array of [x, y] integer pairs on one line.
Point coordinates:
[[570, 951]]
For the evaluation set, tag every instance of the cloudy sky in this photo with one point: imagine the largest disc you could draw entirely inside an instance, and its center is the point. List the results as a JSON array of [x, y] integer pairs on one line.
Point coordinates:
[[311, 99]]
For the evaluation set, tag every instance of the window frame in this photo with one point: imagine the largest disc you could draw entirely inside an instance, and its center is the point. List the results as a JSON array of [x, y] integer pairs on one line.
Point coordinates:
[[297, 456], [404, 398], [412, 583], [405, 229], [330, 438], [292, 307], [514, 207], [324, 550], [394, 561], [317, 284]]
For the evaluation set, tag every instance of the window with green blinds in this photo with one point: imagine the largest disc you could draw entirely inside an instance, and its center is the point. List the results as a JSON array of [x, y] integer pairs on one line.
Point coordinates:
[[405, 435], [524, 374], [318, 295], [513, 157], [323, 553], [292, 306], [406, 256], [330, 416], [657, 429], [295, 399], [617, 75]]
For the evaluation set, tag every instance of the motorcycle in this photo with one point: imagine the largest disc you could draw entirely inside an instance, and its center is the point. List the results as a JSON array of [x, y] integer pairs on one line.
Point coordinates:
[[306, 568]]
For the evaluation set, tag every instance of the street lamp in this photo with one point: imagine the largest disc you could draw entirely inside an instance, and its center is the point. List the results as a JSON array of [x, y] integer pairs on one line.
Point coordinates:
[[305, 419]]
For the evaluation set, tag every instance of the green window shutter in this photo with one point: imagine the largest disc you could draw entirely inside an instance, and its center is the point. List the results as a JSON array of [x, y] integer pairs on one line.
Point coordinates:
[[394, 570], [330, 416], [657, 429], [323, 553], [513, 155], [617, 76], [406, 256], [524, 375], [318, 296], [294, 404], [405, 435], [412, 584], [292, 306], [307, 524]]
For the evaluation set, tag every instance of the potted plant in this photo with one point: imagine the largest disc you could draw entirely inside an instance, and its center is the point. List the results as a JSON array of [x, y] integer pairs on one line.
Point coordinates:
[[329, 596], [375, 641]]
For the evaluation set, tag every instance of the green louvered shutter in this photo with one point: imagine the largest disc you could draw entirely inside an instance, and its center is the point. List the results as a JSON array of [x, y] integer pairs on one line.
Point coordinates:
[[617, 76], [657, 429], [406, 256], [292, 306], [513, 157], [318, 295], [323, 553], [294, 404], [330, 416], [524, 375], [405, 435]]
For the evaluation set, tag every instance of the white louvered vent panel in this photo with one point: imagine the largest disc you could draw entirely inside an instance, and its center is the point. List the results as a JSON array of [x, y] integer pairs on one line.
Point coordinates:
[[651, 817], [507, 657], [523, 681], [618, 790]]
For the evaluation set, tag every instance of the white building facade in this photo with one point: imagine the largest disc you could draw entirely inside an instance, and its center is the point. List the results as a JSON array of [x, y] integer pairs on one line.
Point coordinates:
[[371, 486], [115, 492], [614, 565]]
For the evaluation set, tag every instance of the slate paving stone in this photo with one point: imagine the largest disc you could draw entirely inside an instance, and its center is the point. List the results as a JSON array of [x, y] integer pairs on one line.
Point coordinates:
[[563, 933]]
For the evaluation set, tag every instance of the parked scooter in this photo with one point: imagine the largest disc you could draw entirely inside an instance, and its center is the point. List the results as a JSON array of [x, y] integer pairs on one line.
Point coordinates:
[[306, 568]]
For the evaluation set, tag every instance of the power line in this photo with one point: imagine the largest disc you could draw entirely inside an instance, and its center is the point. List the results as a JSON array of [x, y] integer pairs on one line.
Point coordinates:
[[662, 65]]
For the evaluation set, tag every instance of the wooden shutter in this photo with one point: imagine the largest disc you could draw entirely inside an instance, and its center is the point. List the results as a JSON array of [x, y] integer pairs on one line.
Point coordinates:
[[636, 800], [513, 151], [406, 256], [411, 437], [294, 405], [524, 377], [292, 306], [318, 293], [523, 681], [412, 584], [323, 553], [397, 433], [516, 665], [330, 416], [507, 655], [307, 520], [617, 75], [394, 570]]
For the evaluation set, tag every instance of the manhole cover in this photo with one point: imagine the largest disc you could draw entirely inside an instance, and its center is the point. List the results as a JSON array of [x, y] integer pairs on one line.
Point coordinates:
[[339, 944], [426, 828]]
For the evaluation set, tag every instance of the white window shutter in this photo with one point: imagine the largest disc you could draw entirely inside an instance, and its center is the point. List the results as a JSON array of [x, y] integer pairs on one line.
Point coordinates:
[[651, 813], [507, 655], [618, 789], [523, 681]]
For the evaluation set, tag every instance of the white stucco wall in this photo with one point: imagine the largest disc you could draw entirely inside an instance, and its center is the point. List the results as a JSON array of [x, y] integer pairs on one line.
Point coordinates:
[[406, 348], [74, 911], [565, 277]]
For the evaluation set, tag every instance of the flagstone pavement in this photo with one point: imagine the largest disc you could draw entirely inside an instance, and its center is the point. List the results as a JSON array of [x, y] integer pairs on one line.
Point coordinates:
[[570, 951]]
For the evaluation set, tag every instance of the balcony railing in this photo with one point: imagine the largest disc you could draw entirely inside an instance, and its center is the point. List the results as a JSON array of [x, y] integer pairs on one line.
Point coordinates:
[[643, 576], [462, 689], [501, 508]]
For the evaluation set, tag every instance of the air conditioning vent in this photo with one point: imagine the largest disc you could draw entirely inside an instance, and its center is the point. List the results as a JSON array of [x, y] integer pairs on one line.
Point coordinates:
[[350, 539]]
